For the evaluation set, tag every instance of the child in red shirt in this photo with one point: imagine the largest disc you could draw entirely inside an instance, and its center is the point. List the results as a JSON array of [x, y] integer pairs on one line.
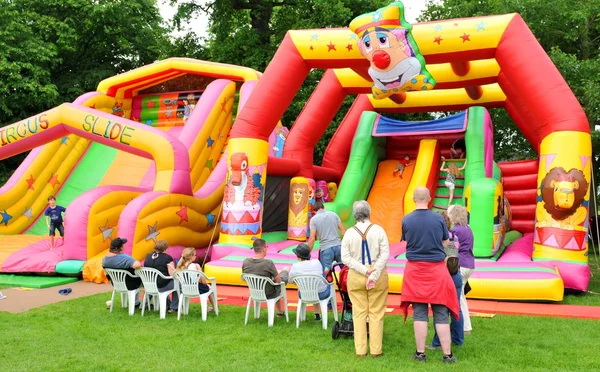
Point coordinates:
[[400, 167]]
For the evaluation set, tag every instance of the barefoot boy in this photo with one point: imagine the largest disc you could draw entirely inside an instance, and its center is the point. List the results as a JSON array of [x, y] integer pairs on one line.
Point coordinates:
[[54, 219]]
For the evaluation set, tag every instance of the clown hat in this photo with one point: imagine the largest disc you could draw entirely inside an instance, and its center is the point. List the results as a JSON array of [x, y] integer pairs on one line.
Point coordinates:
[[390, 17]]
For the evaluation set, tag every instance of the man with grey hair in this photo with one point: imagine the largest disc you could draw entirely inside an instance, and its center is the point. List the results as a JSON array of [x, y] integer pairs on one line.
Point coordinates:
[[259, 265], [426, 279], [365, 250]]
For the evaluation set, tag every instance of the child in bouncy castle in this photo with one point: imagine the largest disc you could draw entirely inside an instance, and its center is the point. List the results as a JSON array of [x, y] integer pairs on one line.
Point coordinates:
[[54, 219], [400, 167]]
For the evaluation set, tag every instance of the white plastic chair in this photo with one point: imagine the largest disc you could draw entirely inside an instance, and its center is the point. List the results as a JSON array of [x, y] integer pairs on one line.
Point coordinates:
[[117, 277], [257, 284], [188, 288], [149, 277], [308, 285]]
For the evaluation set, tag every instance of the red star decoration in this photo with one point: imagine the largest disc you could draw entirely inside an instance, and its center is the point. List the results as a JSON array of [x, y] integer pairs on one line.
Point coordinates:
[[150, 104], [331, 47], [223, 104], [93, 106], [311, 48], [30, 182], [438, 40], [349, 47], [182, 213], [465, 37], [134, 118], [54, 181]]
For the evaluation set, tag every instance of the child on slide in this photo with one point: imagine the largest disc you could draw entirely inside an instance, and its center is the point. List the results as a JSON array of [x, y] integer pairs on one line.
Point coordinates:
[[453, 172], [399, 171], [54, 219]]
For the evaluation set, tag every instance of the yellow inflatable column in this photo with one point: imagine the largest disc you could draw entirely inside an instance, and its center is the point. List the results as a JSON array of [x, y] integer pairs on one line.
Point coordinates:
[[298, 208], [243, 199], [563, 197]]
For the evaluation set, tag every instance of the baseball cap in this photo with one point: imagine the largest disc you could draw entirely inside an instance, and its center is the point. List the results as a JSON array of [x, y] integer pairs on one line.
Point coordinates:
[[117, 244]]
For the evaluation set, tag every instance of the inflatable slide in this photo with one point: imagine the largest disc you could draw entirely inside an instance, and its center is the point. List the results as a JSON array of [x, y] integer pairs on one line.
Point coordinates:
[[115, 158], [451, 65]]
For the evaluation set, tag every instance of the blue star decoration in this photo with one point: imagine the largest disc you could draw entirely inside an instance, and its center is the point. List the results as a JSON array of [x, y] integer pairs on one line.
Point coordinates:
[[438, 28], [353, 36], [28, 213], [211, 219], [377, 16], [149, 122], [5, 218], [314, 37], [63, 141], [480, 26], [209, 142], [152, 233]]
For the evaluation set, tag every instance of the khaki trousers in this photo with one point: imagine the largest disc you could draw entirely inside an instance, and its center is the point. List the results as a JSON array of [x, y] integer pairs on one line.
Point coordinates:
[[370, 303]]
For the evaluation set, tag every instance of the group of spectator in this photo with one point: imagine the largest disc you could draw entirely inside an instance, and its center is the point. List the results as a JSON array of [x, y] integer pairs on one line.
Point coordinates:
[[439, 251], [160, 260]]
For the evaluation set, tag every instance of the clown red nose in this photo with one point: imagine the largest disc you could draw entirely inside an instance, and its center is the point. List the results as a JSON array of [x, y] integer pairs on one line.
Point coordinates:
[[381, 59]]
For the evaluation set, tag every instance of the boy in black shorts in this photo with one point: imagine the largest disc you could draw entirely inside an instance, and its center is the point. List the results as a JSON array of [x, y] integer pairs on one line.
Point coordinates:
[[54, 219]]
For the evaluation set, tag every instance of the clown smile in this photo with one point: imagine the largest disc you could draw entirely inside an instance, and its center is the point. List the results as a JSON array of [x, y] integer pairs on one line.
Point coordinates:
[[392, 83]]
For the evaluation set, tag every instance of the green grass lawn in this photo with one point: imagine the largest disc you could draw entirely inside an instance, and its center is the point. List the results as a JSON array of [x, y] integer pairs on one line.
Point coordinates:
[[81, 335]]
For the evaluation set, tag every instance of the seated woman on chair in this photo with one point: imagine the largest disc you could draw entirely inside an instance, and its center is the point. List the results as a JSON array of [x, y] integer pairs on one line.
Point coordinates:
[[188, 256], [163, 262]]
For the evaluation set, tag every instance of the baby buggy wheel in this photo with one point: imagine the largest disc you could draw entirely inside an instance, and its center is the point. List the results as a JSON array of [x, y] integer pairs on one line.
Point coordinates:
[[335, 330]]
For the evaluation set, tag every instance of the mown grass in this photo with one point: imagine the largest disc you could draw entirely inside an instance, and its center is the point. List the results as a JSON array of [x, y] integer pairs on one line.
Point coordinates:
[[81, 335]]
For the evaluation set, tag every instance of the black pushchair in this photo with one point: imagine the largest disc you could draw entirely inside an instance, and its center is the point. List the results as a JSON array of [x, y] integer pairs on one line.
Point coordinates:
[[344, 326]]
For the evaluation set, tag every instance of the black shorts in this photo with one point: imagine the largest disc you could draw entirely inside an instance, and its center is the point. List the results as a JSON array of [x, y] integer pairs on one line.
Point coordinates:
[[59, 227]]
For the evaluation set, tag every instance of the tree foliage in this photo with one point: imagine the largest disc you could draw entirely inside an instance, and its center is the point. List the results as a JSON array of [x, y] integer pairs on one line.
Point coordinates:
[[55, 50]]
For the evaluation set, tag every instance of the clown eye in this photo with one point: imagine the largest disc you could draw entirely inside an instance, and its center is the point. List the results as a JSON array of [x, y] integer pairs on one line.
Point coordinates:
[[244, 164], [383, 40], [367, 43]]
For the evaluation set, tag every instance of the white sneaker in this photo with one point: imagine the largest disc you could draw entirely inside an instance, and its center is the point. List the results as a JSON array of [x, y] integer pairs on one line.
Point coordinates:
[[2, 297], [108, 303]]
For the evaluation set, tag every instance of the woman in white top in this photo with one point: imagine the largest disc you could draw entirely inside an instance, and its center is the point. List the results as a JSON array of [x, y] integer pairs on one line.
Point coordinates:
[[188, 256], [365, 250]]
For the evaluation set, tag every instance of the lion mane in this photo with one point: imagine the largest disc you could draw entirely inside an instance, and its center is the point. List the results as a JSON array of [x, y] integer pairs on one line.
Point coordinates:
[[556, 174], [297, 208]]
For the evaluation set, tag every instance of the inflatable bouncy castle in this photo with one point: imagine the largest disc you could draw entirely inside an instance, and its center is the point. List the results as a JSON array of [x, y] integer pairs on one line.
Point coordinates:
[[124, 163], [528, 217]]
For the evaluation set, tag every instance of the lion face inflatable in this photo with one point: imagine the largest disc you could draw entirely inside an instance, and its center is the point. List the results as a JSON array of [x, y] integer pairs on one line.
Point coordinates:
[[563, 192], [299, 197]]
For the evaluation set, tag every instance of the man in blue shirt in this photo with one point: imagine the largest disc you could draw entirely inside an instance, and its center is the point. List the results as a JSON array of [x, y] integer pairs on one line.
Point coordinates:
[[54, 219], [116, 259]]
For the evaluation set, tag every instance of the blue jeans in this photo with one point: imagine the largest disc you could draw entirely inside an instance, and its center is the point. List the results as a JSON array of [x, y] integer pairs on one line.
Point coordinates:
[[330, 254], [457, 331]]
